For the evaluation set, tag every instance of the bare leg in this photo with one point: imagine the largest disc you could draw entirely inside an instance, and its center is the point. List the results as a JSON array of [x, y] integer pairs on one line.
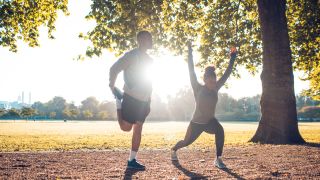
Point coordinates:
[[124, 125], [136, 136]]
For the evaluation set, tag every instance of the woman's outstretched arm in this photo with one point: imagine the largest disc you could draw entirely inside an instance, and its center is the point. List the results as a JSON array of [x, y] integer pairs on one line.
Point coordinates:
[[193, 77], [228, 71]]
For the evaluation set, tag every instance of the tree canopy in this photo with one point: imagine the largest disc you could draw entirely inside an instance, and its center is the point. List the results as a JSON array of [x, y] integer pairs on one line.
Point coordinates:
[[304, 29], [214, 26], [21, 19]]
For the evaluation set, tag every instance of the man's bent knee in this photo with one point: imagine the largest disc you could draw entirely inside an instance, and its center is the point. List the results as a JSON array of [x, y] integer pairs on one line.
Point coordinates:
[[126, 127]]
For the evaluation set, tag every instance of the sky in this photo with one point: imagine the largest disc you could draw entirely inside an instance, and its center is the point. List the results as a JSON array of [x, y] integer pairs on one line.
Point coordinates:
[[51, 69]]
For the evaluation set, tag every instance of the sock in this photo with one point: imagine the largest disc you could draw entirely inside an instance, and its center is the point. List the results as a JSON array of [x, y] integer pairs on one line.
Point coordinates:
[[133, 155], [118, 103]]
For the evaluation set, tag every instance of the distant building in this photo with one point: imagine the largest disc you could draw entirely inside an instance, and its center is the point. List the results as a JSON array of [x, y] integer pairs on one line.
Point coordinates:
[[29, 98], [19, 98], [16, 105], [22, 97], [5, 105]]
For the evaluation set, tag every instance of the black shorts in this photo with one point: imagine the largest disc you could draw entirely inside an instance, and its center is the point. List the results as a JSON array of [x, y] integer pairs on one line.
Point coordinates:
[[134, 110]]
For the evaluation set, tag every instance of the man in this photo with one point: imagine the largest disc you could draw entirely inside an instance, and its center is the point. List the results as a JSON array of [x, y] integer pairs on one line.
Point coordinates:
[[133, 106]]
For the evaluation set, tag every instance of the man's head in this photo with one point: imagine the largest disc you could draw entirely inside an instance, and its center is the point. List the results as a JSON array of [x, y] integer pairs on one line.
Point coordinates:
[[144, 39]]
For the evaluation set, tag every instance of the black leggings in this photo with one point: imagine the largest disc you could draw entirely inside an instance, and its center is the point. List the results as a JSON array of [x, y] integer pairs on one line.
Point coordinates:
[[195, 130]]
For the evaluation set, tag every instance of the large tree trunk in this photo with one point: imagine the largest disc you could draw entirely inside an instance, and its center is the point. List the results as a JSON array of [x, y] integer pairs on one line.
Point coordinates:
[[278, 123]]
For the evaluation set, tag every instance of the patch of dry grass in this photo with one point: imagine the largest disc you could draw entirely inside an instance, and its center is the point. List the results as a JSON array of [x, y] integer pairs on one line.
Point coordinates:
[[43, 136]]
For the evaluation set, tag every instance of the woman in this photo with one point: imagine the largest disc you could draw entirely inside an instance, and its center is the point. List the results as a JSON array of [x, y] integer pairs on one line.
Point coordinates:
[[206, 97]]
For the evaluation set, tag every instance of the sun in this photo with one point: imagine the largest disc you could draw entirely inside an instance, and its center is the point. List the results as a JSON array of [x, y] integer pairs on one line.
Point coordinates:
[[169, 74]]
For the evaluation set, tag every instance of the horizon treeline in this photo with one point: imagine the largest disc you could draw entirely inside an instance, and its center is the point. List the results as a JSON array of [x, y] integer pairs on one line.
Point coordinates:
[[177, 108]]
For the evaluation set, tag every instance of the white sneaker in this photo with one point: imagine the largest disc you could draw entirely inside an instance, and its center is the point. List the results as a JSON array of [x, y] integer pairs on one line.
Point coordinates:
[[174, 156], [219, 164]]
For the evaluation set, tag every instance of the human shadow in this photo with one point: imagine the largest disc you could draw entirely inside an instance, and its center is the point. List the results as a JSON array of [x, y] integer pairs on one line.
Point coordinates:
[[188, 173], [128, 173], [229, 171]]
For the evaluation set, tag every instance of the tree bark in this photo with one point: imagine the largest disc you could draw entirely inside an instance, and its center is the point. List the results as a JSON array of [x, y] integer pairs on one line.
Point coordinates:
[[278, 123]]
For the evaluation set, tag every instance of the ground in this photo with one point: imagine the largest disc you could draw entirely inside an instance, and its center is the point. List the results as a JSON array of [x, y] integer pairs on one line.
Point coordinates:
[[243, 162], [98, 150]]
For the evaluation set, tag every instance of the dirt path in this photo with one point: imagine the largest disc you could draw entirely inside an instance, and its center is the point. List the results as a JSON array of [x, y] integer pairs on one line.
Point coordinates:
[[247, 162]]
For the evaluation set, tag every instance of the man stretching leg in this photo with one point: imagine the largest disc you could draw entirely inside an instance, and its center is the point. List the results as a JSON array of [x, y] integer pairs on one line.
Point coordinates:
[[133, 106]]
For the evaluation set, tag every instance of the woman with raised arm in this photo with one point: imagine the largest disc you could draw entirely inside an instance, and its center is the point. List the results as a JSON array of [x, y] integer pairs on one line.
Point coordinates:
[[206, 97]]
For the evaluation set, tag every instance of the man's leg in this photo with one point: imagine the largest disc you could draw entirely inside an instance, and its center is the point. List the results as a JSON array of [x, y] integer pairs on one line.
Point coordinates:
[[137, 127], [124, 125], [139, 110], [136, 138]]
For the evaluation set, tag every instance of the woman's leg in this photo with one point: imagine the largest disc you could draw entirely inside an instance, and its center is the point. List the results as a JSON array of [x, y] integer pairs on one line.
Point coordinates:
[[214, 127], [193, 132]]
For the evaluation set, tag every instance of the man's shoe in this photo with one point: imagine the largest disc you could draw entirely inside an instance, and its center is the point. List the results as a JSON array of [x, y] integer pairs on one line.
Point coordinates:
[[117, 93], [133, 164]]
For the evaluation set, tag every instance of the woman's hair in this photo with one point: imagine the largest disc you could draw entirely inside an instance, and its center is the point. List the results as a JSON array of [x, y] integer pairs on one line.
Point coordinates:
[[210, 71]]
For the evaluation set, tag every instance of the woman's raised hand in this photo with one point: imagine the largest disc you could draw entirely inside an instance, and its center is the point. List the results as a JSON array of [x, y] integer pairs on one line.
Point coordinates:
[[233, 51]]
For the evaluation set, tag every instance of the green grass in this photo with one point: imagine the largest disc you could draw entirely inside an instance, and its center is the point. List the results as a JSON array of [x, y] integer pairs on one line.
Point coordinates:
[[44, 136]]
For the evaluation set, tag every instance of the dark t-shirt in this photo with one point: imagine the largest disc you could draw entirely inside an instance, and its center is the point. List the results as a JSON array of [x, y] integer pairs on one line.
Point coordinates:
[[135, 65]]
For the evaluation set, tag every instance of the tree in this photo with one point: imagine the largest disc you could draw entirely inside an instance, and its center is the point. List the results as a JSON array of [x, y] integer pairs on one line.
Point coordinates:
[[52, 115], [278, 123], [66, 113], [57, 105], [310, 112], [27, 112], [74, 113], [12, 114], [103, 115], [110, 108], [41, 108], [87, 114], [2, 112], [21, 19], [91, 104]]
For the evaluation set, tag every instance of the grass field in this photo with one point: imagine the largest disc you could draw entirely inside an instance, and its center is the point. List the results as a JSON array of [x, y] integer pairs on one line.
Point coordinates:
[[44, 136]]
